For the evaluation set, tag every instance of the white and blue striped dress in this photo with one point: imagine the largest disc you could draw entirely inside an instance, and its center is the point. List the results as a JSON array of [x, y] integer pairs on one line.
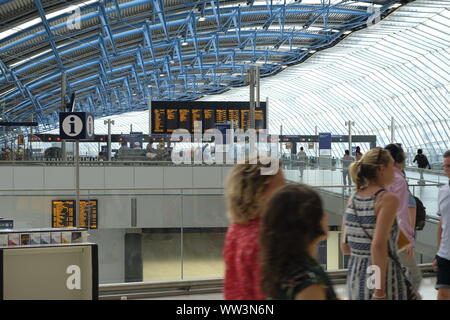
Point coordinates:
[[360, 257]]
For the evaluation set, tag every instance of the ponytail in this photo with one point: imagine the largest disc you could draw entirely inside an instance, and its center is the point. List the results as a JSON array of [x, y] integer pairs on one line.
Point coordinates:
[[366, 169], [355, 173]]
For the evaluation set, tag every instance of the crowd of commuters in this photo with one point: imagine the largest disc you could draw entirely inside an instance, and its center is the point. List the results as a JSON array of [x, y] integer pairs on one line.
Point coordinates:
[[271, 246]]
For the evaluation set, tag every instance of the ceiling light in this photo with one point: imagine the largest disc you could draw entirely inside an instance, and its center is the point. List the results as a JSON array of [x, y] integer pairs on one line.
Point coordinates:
[[312, 51], [162, 75], [184, 43], [348, 32], [202, 18], [283, 66], [172, 61]]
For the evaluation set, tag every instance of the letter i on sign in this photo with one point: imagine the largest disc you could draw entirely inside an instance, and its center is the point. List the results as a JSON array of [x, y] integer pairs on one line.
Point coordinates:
[[72, 125]]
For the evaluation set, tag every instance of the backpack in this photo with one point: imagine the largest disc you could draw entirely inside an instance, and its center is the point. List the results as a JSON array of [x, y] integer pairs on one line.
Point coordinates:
[[422, 161], [421, 214]]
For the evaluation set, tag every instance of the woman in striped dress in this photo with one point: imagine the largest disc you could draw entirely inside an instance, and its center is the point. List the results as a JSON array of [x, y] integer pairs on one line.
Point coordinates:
[[370, 231]]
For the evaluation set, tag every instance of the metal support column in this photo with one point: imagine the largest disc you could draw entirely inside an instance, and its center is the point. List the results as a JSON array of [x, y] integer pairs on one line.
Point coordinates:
[[109, 122], [77, 183], [251, 77], [392, 127], [316, 145], [349, 124], [63, 109], [149, 103]]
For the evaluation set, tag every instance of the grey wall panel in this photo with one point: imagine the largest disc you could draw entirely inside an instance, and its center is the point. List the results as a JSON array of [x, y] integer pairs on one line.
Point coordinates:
[[6, 181], [225, 172], [93, 177], [118, 177], [204, 211], [207, 177], [28, 177], [159, 211], [178, 177], [27, 211], [59, 177], [148, 177], [111, 254], [114, 211]]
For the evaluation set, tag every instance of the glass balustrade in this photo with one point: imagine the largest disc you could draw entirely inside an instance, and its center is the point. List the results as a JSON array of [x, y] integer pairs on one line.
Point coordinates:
[[169, 232]]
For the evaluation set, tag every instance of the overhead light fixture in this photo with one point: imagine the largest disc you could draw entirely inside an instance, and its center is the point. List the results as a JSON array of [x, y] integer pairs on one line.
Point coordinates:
[[184, 43], [162, 75], [202, 18], [172, 61], [283, 66], [348, 31], [312, 51]]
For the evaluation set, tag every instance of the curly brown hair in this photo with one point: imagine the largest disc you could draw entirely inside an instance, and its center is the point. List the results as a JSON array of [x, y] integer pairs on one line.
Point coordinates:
[[244, 187], [290, 224]]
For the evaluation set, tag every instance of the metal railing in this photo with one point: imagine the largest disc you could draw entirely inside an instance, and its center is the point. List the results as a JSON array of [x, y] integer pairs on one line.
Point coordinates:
[[156, 289]]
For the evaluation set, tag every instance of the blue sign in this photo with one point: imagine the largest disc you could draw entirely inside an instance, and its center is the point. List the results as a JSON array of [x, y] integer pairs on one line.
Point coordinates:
[[76, 125], [324, 140]]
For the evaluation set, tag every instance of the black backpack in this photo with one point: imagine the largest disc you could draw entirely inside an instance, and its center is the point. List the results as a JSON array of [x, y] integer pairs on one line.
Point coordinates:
[[421, 214]]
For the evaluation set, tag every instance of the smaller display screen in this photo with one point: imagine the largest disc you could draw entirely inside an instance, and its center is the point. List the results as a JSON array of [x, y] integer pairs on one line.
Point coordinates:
[[63, 213]]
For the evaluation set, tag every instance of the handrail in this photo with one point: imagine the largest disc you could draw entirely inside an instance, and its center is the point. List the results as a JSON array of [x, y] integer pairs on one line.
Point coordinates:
[[154, 289]]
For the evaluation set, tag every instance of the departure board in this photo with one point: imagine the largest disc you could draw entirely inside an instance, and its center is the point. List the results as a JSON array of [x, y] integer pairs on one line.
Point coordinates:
[[234, 115], [168, 116], [221, 116], [89, 214], [63, 213], [259, 120], [184, 118], [159, 121], [196, 116], [245, 119], [209, 119], [171, 120]]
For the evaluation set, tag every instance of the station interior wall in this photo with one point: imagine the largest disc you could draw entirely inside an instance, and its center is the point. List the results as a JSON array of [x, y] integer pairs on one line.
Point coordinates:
[[200, 206]]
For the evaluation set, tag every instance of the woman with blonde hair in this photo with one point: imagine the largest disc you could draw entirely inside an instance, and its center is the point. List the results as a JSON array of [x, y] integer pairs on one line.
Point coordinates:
[[370, 231], [248, 187]]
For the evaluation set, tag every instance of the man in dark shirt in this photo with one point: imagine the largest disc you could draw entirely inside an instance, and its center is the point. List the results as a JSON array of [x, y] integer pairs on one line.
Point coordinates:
[[422, 163]]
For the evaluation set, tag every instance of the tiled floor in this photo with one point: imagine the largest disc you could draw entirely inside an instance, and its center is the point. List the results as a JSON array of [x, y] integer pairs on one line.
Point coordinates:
[[427, 291]]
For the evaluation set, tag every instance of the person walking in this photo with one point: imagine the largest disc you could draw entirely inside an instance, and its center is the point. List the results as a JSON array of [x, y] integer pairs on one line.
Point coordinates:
[[246, 192], [293, 225], [302, 159], [441, 263], [406, 218], [347, 159], [370, 230], [358, 154], [422, 163]]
